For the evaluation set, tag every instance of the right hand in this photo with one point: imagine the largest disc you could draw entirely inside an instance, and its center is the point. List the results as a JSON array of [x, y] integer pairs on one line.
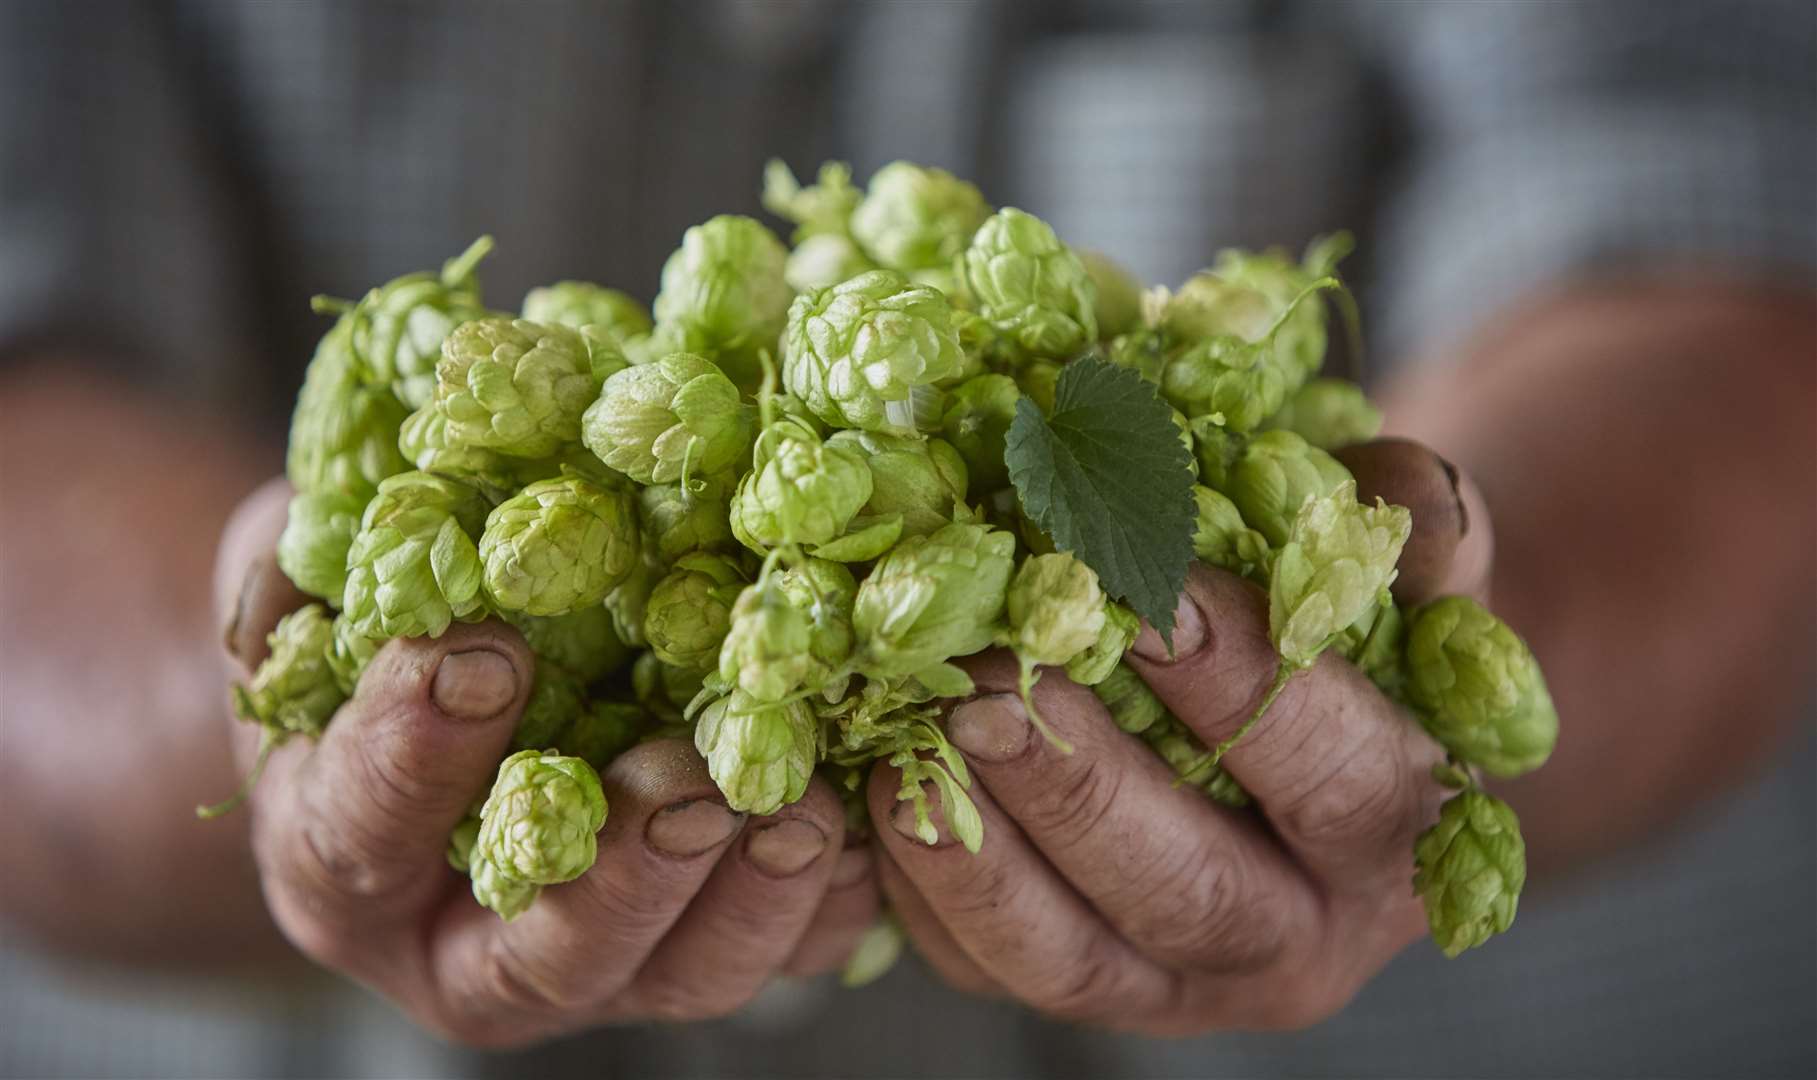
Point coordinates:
[[688, 912]]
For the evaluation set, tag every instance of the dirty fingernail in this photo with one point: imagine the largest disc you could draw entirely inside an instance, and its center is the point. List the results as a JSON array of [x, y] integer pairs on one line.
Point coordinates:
[[785, 848], [691, 828], [1188, 636], [474, 685], [991, 728]]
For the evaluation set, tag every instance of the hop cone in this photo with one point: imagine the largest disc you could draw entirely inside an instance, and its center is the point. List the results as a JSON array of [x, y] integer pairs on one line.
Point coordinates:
[[856, 352], [1338, 561], [1115, 635], [761, 755], [1237, 383], [626, 603], [799, 490], [515, 387], [1274, 476], [556, 698], [294, 690], [920, 481], [653, 420], [584, 642], [349, 652], [413, 568], [397, 329], [344, 432], [1471, 868], [558, 546], [765, 652], [723, 292], [690, 610], [933, 597], [679, 518], [582, 303], [822, 261], [423, 441], [538, 825], [1330, 414], [312, 551], [1132, 705], [1478, 687], [913, 217], [1030, 286], [1220, 538], [1055, 608], [604, 730], [1117, 295], [976, 423], [494, 889]]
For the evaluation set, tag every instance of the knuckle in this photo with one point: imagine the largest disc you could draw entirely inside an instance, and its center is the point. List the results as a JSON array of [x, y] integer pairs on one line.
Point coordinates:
[[1200, 911], [1362, 803], [507, 979]]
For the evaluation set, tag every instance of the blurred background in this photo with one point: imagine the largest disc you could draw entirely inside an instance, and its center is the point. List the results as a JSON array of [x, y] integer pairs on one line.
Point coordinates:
[[177, 178]]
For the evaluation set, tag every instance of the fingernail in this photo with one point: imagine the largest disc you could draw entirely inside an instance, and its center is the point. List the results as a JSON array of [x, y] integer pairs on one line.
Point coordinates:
[[691, 828], [902, 819], [1457, 495], [1188, 636], [785, 848], [853, 866], [474, 685], [991, 728]]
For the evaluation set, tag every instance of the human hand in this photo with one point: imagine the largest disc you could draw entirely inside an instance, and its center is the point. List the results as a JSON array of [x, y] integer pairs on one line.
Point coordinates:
[[1106, 893], [689, 910]]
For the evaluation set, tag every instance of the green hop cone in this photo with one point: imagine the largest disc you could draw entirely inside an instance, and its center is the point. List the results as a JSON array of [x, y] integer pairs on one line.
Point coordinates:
[[760, 754], [1251, 296], [556, 698], [800, 490], [664, 690], [1221, 539], [825, 591], [1470, 869], [933, 597], [690, 610], [1276, 472], [1338, 559], [1376, 644], [626, 603], [679, 518], [660, 420], [857, 353], [343, 432], [1055, 608], [515, 387], [978, 414], [915, 218], [820, 209], [1132, 705], [294, 691], [558, 546], [349, 652], [723, 293], [312, 551], [1238, 384], [1039, 379], [585, 642], [1030, 286], [1330, 414], [919, 481], [423, 441], [1478, 689], [539, 824], [397, 329], [461, 840], [765, 652], [505, 895], [413, 568], [581, 303], [1117, 295], [1115, 636], [603, 730], [823, 261]]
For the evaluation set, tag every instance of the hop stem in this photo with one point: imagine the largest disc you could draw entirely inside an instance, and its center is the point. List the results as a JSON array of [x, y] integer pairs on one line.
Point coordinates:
[[232, 802], [1283, 673], [1026, 684]]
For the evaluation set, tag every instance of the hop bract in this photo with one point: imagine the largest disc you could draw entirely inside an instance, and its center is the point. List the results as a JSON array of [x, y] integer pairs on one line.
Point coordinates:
[[799, 490], [1472, 866], [349, 652], [1029, 286], [506, 896], [294, 692], [653, 421], [539, 824], [414, 567], [1478, 687], [1220, 538], [919, 481], [916, 218], [514, 386], [690, 610], [679, 518], [761, 755], [1117, 633], [765, 652], [1338, 560], [854, 353], [558, 546], [1055, 609], [582, 303], [933, 597], [723, 292]]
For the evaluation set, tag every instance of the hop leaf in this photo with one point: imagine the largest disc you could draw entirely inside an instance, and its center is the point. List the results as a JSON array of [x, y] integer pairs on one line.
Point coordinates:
[[761, 755], [538, 825], [1338, 559], [558, 546], [1478, 688], [1106, 477], [514, 386], [413, 568], [1471, 868], [1029, 286], [855, 353], [653, 421]]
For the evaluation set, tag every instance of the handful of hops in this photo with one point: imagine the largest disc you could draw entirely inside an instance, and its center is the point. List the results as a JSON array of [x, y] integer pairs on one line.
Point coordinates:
[[769, 514]]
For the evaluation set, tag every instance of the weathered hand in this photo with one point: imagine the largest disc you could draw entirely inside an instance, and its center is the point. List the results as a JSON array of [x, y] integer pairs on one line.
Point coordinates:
[[688, 912], [1106, 893]]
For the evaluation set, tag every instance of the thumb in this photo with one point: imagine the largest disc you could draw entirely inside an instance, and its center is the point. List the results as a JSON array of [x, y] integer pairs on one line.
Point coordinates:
[[1453, 544], [251, 593]]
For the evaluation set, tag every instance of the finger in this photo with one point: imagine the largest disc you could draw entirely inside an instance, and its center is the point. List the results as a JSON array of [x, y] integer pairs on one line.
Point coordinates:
[[1342, 773], [1015, 917], [580, 944], [250, 591], [352, 841], [930, 937], [749, 915], [848, 909], [1452, 542], [1189, 883]]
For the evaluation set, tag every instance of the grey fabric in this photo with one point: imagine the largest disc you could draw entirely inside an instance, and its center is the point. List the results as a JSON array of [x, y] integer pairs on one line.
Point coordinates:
[[177, 178]]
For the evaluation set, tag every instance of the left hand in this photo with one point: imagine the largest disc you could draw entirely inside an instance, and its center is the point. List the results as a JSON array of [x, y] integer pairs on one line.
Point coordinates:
[[1104, 893]]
